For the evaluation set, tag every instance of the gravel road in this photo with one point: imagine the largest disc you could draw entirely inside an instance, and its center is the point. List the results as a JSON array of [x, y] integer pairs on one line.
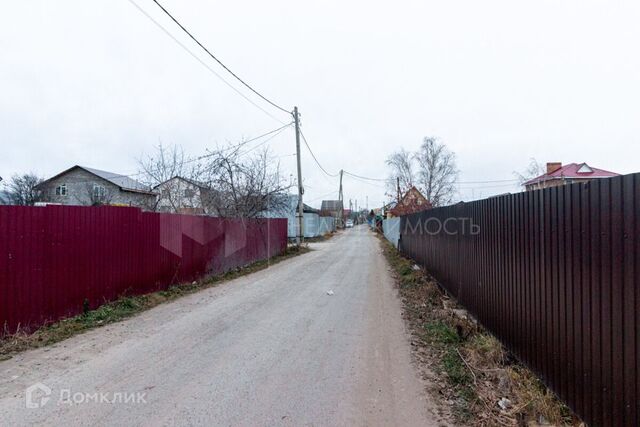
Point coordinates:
[[271, 348]]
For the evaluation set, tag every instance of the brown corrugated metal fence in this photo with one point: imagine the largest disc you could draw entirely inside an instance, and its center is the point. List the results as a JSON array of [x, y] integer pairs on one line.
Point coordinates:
[[553, 274]]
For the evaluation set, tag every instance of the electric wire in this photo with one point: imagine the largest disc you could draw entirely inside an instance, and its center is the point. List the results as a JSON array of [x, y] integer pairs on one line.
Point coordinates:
[[245, 142], [366, 182], [457, 182], [265, 141], [364, 177], [314, 157], [322, 197], [204, 64], [218, 61], [195, 159]]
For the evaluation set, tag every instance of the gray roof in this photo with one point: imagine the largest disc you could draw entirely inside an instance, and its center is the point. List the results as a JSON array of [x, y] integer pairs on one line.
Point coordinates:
[[122, 181], [331, 205], [293, 205], [278, 210]]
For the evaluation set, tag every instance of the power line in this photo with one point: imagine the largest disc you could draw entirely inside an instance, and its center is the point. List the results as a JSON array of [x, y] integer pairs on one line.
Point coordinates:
[[204, 156], [364, 177], [218, 61], [204, 64], [278, 132], [457, 182], [323, 196], [314, 157], [366, 182], [237, 146]]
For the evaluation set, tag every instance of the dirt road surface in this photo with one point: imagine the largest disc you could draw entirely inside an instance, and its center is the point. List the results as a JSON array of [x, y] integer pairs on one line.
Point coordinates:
[[271, 348]]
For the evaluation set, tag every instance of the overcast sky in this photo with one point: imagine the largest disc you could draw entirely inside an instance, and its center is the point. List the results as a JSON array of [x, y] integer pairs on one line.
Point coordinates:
[[96, 83]]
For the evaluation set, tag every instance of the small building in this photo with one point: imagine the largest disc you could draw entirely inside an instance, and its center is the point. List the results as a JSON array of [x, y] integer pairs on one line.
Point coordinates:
[[333, 208], [411, 202], [314, 224], [83, 186], [557, 175], [184, 196]]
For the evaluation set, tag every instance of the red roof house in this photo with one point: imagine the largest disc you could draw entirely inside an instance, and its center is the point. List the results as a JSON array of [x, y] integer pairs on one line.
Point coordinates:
[[413, 201], [557, 174]]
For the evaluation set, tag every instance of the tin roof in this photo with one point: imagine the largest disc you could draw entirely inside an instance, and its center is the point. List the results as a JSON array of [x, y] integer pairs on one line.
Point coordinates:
[[124, 182], [331, 205]]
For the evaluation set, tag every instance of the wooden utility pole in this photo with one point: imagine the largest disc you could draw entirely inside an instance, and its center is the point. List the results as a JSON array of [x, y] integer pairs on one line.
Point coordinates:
[[300, 212], [357, 213], [398, 188], [341, 213]]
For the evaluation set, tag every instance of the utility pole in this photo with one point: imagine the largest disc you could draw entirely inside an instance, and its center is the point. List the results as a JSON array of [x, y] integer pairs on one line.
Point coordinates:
[[341, 213], [300, 212], [357, 213], [398, 188]]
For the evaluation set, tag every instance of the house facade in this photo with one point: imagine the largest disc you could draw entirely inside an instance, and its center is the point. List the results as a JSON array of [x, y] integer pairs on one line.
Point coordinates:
[[185, 196], [335, 209], [557, 175], [83, 186]]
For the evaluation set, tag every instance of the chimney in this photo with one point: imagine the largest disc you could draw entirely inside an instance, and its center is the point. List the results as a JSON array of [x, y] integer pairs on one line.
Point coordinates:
[[553, 166]]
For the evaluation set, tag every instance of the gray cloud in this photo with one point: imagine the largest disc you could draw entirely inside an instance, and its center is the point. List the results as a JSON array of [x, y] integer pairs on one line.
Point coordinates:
[[96, 83]]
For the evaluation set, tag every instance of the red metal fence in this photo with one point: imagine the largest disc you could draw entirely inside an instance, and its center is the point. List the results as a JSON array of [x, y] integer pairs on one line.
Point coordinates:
[[53, 258], [554, 274]]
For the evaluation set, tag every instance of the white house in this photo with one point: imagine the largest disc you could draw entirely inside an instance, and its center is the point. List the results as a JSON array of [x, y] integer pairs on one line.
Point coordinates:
[[184, 195]]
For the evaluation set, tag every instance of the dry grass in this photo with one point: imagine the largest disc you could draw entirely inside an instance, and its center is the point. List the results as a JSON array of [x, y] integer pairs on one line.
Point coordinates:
[[322, 238], [127, 306], [472, 369]]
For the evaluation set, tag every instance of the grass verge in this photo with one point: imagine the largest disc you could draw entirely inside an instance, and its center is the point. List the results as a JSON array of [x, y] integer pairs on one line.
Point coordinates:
[[125, 307], [472, 370]]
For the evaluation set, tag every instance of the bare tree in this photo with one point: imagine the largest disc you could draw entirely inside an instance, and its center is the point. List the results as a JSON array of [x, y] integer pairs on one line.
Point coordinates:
[[437, 172], [98, 195], [533, 170], [22, 189], [160, 167], [243, 187], [401, 165], [164, 163]]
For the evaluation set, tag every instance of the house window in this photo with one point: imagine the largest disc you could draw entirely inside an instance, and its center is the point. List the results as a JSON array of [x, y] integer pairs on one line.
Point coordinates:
[[189, 193], [99, 192], [61, 190]]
